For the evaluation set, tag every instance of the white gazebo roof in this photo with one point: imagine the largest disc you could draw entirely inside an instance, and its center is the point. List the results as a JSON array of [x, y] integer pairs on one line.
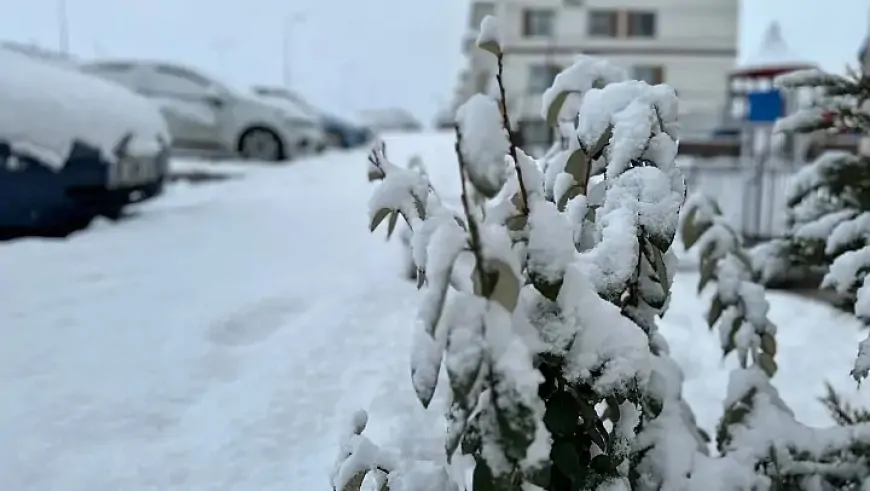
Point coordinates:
[[774, 53]]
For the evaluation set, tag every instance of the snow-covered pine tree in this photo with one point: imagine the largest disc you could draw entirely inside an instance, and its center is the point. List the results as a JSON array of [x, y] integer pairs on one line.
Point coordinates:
[[558, 377], [830, 198]]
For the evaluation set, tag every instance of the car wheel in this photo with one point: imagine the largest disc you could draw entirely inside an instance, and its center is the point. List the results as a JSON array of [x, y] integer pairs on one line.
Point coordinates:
[[261, 144]]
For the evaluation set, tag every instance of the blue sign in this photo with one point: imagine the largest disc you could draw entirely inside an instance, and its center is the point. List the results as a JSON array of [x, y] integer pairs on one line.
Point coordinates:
[[765, 107]]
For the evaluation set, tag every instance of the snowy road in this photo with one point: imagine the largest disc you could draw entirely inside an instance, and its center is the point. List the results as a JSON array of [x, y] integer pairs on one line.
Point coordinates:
[[219, 339]]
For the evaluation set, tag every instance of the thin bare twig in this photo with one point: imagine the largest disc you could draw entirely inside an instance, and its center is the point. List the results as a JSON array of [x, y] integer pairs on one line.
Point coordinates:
[[507, 126], [472, 224]]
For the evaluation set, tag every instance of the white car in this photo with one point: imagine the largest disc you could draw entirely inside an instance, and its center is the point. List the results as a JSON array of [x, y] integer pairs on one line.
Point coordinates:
[[315, 136], [208, 116], [392, 119]]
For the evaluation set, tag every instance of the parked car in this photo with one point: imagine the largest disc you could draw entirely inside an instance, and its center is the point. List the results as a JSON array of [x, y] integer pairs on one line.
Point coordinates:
[[338, 132], [314, 138], [72, 147], [208, 116], [344, 134], [392, 119]]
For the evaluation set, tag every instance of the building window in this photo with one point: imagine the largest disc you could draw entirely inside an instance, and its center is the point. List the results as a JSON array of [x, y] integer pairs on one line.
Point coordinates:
[[603, 23], [539, 22], [642, 24], [536, 133], [479, 10], [541, 78], [651, 74]]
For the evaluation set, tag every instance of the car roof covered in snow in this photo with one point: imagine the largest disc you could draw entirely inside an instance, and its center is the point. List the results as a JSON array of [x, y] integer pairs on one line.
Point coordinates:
[[48, 107]]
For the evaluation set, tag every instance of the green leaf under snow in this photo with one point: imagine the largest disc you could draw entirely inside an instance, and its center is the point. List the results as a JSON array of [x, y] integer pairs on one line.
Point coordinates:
[[691, 231], [556, 107], [465, 359], [457, 421], [355, 482], [570, 193], [379, 217], [517, 223], [708, 272], [515, 420], [506, 290], [562, 415], [391, 225], [715, 312], [731, 342], [602, 142], [768, 344], [657, 261], [660, 239], [566, 459], [578, 166], [482, 478], [767, 363], [490, 46]]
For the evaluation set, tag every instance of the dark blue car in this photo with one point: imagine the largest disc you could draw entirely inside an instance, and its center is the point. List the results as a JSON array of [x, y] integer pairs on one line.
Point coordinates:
[[343, 134], [72, 147], [36, 199]]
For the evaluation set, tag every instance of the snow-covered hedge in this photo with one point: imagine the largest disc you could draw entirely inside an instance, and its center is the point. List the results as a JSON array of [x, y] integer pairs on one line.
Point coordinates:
[[558, 377]]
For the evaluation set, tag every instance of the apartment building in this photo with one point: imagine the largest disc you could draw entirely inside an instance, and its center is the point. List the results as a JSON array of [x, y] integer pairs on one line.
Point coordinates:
[[688, 44]]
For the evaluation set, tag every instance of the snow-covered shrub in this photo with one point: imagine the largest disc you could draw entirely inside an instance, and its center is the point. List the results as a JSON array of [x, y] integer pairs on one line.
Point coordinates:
[[558, 377], [757, 427], [830, 198], [375, 173]]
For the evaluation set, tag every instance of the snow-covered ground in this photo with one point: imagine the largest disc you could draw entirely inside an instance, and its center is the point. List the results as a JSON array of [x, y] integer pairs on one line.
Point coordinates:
[[220, 338]]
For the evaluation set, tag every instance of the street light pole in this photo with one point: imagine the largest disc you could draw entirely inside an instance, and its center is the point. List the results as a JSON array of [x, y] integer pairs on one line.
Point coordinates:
[[290, 21], [63, 27]]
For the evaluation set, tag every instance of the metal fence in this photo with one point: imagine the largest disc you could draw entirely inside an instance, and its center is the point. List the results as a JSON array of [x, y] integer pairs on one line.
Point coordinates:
[[752, 198]]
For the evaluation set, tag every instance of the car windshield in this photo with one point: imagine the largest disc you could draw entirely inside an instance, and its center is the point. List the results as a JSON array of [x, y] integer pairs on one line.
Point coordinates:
[[288, 96]]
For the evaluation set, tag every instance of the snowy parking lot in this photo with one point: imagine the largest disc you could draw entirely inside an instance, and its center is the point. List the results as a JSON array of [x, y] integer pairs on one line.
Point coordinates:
[[220, 337]]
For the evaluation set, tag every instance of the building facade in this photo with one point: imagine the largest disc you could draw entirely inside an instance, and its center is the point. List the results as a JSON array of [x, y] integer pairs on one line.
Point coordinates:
[[688, 44]]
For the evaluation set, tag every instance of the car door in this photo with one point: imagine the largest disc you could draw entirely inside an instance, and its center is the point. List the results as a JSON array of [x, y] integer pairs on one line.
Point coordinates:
[[189, 105]]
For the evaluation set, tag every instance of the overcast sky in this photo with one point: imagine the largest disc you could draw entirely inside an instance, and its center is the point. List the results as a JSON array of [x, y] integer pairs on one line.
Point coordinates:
[[348, 55]]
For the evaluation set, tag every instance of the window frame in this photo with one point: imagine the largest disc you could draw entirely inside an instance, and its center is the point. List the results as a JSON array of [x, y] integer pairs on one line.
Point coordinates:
[[612, 21], [634, 19], [657, 72], [528, 25]]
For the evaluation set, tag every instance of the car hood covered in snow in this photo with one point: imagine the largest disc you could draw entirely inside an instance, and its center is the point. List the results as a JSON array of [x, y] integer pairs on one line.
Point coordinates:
[[47, 108]]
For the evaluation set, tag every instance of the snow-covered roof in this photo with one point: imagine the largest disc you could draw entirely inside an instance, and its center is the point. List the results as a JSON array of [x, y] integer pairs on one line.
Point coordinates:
[[773, 54]]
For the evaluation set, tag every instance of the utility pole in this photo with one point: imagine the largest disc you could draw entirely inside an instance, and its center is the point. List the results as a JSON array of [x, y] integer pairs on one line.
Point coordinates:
[[63, 27]]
